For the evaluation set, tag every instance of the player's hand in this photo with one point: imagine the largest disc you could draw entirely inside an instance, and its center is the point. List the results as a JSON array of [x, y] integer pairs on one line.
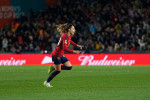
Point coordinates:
[[80, 46], [76, 51]]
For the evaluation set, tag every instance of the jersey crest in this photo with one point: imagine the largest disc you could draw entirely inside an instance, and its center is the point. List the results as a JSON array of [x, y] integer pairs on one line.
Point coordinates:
[[66, 41]]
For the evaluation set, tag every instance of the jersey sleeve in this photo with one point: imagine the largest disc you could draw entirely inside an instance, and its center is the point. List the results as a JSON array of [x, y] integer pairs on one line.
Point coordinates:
[[65, 48], [72, 43]]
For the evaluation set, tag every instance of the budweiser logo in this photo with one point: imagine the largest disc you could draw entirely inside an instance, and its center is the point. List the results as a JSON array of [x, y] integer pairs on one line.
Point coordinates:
[[12, 61], [46, 60], [89, 60]]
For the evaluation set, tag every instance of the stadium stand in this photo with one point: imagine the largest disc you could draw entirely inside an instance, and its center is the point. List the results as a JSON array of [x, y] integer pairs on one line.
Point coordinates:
[[102, 26]]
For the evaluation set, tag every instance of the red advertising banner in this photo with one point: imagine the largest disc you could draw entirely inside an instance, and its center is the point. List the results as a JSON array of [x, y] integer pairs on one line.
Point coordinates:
[[77, 59]]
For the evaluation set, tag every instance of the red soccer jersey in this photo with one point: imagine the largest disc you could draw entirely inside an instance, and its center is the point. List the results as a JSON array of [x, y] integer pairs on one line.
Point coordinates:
[[62, 45]]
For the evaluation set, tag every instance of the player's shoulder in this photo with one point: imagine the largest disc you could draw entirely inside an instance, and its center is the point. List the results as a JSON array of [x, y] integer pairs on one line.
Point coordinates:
[[63, 35]]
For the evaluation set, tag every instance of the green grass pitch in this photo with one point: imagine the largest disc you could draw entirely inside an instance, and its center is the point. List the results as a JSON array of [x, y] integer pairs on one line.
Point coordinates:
[[80, 83]]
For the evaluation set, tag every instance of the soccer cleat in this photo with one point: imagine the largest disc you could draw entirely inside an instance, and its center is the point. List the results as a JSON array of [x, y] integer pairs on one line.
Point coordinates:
[[47, 84], [51, 69]]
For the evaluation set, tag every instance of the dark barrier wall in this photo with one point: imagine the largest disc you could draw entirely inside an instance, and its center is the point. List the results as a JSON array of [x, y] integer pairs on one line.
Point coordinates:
[[26, 5]]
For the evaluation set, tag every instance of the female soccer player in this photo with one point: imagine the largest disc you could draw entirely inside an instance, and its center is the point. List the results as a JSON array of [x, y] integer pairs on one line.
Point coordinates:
[[66, 31]]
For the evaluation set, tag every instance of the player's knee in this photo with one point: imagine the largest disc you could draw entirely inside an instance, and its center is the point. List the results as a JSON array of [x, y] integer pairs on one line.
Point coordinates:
[[57, 71], [69, 68]]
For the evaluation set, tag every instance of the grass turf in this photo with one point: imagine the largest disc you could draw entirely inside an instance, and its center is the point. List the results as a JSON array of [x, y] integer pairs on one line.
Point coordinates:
[[81, 83]]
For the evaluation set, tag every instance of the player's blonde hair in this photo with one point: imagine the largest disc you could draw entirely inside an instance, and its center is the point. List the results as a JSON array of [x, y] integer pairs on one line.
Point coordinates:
[[63, 28]]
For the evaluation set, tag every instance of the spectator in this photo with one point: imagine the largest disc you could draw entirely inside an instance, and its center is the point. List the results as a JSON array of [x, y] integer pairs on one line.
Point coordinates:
[[4, 44], [112, 26]]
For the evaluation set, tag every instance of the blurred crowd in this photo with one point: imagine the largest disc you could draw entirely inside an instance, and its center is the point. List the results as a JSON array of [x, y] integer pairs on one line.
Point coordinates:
[[101, 26]]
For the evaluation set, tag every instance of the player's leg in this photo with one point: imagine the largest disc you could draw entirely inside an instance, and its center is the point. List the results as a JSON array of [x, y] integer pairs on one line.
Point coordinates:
[[51, 69], [57, 65], [52, 75], [66, 64]]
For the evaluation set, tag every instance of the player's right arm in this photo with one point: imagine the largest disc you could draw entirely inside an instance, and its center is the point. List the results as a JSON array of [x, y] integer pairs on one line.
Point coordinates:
[[76, 51]]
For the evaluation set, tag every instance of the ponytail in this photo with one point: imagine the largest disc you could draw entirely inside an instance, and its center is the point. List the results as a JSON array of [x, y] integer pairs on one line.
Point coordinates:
[[63, 28]]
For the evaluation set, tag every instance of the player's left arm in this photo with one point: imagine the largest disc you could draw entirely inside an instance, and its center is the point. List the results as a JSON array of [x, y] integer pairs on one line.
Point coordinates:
[[72, 43]]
